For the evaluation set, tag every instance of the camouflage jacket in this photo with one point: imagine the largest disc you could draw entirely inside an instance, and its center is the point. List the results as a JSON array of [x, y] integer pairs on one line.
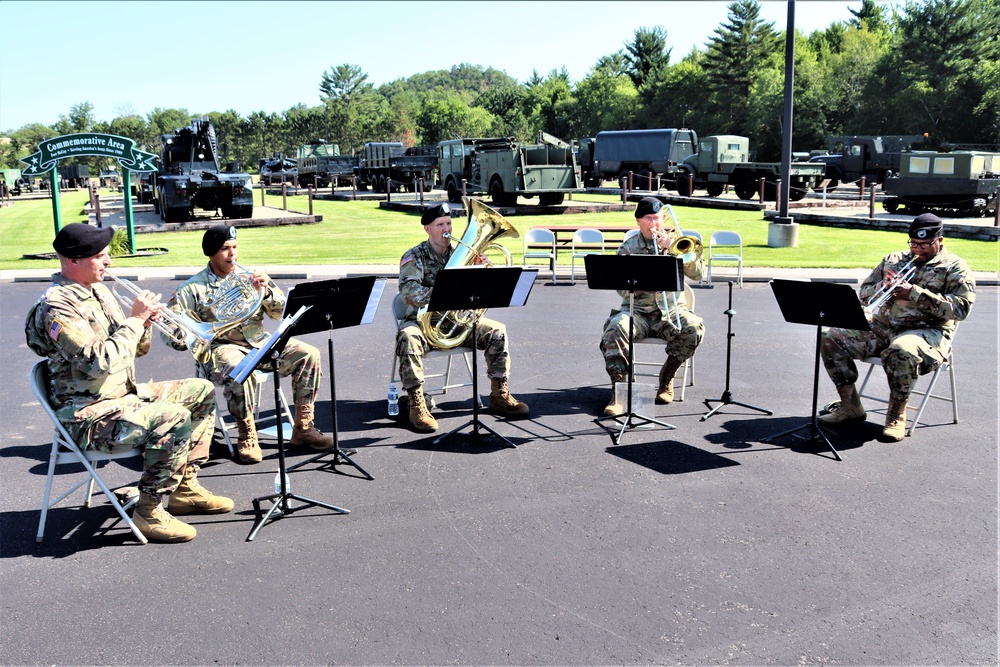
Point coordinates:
[[192, 299], [649, 302], [943, 293], [418, 270], [90, 344]]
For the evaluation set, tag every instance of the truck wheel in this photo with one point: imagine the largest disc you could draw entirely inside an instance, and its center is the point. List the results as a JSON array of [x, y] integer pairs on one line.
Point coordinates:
[[746, 191], [715, 189], [454, 195], [497, 193], [796, 193], [551, 198], [891, 205], [684, 188]]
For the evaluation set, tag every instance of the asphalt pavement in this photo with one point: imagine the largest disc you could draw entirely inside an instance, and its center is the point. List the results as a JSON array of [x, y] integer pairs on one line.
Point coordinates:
[[697, 545]]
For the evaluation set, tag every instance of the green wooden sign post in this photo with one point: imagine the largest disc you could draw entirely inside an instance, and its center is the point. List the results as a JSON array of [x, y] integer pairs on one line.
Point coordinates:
[[92, 144]]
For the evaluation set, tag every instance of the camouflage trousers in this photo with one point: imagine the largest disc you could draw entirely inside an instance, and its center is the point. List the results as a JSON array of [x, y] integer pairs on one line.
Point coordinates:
[[298, 359], [905, 355], [172, 421], [681, 344], [491, 337]]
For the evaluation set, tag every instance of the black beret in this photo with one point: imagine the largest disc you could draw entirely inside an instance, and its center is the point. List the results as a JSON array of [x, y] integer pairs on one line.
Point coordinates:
[[926, 226], [78, 240], [648, 205], [215, 237], [434, 212]]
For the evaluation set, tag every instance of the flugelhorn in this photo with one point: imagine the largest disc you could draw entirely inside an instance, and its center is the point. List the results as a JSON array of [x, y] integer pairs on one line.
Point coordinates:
[[884, 293], [450, 329]]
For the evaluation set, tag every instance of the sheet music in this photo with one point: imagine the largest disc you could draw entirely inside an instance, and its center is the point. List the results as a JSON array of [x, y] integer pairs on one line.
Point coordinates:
[[373, 301], [523, 287], [249, 363]]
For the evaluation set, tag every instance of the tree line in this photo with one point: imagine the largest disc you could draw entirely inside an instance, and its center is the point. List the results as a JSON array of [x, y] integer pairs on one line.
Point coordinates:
[[929, 67]]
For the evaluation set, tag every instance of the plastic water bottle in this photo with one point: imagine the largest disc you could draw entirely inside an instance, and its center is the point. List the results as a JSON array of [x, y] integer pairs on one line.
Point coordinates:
[[277, 483], [393, 400]]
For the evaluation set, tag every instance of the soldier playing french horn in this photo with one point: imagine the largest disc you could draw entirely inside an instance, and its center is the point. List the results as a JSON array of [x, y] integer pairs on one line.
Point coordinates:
[[418, 270], [913, 324]]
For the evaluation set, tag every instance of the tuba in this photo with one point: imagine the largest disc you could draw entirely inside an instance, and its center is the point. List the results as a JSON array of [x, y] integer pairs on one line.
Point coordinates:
[[449, 329]]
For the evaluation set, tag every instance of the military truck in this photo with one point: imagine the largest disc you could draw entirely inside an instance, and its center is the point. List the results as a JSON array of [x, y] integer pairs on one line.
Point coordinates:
[[320, 164], [16, 183], [724, 159], [389, 162], [613, 153], [960, 182], [874, 158], [189, 177], [74, 175], [506, 169]]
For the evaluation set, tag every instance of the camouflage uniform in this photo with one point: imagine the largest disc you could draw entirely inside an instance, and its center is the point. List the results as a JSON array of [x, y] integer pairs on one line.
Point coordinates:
[[91, 348], [912, 337], [650, 317], [298, 359], [418, 270]]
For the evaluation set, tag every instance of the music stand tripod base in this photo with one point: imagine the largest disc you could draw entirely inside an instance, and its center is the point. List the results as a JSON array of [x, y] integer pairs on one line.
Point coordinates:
[[625, 420]]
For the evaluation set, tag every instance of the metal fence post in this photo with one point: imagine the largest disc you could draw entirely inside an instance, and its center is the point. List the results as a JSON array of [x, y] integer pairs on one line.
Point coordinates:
[[420, 190], [871, 202], [760, 190], [262, 188], [310, 199], [861, 185], [284, 196], [388, 189], [463, 187]]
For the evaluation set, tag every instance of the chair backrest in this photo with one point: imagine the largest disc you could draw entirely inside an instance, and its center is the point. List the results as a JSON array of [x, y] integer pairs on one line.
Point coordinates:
[[726, 239], [398, 308], [588, 236], [537, 235], [629, 234], [691, 232]]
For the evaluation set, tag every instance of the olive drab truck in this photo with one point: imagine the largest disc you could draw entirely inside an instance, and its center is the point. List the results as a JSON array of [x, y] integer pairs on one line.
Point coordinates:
[[874, 158], [724, 159], [189, 177], [320, 164], [389, 163], [506, 169], [964, 183]]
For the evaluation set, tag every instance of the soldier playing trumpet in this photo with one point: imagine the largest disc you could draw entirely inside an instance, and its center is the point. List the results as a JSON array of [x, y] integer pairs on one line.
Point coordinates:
[[655, 314], [913, 324]]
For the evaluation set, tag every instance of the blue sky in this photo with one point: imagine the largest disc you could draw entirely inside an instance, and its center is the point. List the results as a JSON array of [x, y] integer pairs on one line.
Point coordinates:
[[248, 56]]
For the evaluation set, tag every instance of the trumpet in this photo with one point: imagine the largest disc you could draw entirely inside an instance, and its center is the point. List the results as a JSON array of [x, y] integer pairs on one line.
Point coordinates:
[[884, 293], [176, 326]]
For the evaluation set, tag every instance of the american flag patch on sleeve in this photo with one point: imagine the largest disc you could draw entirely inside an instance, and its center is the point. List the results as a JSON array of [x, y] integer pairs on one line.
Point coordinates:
[[55, 329], [406, 260]]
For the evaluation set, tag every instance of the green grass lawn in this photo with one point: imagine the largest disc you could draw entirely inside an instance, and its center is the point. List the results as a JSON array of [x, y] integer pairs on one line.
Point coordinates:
[[359, 232]]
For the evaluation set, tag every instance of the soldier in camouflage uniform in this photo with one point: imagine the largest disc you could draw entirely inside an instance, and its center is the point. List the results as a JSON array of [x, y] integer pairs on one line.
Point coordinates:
[[91, 349], [912, 332], [227, 350], [652, 316], [418, 269]]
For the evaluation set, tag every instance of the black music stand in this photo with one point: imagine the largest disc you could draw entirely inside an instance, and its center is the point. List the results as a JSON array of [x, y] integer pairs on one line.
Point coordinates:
[[335, 304], [633, 273], [473, 288], [824, 305], [270, 351], [727, 396]]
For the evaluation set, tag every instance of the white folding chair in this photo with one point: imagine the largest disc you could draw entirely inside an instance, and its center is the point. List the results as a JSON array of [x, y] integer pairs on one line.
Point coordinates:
[[582, 245], [687, 379], [924, 394], [399, 313], [540, 236], [65, 450], [272, 431], [727, 241]]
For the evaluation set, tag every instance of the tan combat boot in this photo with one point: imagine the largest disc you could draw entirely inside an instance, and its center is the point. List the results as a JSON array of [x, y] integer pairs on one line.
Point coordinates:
[[501, 400], [614, 408], [247, 447], [665, 393], [190, 497], [157, 524], [849, 407], [895, 420], [420, 416], [304, 433]]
